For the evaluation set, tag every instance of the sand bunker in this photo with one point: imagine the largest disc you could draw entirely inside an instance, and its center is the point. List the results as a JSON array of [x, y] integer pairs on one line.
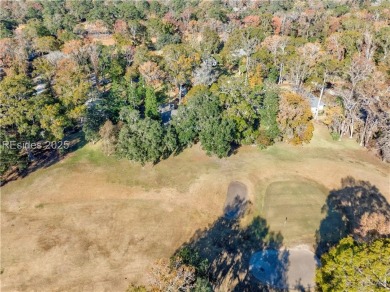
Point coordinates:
[[236, 200], [285, 269]]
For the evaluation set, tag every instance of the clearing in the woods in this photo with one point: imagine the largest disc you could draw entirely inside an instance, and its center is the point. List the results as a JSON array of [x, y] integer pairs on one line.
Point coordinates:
[[91, 222]]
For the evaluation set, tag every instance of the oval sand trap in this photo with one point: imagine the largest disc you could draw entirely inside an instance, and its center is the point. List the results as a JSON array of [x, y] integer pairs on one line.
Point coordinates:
[[285, 269], [236, 200]]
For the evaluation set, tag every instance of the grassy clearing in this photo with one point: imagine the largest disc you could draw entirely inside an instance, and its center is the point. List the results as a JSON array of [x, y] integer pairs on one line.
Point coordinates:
[[299, 201], [91, 222], [177, 172]]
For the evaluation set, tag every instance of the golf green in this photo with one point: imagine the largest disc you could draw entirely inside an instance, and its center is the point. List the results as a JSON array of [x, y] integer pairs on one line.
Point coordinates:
[[293, 207]]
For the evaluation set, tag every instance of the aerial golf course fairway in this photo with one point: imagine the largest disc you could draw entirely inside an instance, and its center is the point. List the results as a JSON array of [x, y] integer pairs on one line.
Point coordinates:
[[103, 222]]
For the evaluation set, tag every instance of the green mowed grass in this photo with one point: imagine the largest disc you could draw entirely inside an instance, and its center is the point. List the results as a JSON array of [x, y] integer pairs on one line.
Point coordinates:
[[176, 172], [300, 201]]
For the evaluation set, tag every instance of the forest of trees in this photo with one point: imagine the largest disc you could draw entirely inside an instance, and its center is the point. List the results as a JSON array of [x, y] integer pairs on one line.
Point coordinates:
[[229, 72], [231, 68]]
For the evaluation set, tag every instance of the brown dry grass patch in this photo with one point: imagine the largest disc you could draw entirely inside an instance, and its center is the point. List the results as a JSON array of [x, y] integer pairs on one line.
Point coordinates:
[[102, 222]]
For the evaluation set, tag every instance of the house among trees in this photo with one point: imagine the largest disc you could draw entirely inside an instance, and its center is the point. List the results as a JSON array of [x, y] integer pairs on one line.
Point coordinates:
[[315, 102], [225, 65], [167, 110]]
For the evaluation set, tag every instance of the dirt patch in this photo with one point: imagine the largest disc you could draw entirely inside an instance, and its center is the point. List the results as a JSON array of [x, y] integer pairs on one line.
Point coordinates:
[[236, 200], [285, 269], [266, 267], [302, 268]]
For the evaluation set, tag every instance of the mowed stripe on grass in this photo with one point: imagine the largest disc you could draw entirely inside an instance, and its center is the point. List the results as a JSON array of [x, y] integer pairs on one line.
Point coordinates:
[[293, 207]]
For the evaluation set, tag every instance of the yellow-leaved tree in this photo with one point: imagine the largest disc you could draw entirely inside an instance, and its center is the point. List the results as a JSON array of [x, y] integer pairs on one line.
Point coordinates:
[[294, 119]]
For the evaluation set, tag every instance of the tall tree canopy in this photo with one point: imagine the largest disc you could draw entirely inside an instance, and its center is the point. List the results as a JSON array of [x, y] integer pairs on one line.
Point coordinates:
[[68, 65], [352, 266]]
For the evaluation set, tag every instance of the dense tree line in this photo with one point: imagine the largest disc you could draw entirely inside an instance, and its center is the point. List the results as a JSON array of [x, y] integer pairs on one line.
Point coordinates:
[[232, 66], [354, 266]]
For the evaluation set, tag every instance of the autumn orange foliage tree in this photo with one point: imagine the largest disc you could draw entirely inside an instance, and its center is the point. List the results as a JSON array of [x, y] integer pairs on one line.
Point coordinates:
[[152, 74], [373, 225], [294, 119]]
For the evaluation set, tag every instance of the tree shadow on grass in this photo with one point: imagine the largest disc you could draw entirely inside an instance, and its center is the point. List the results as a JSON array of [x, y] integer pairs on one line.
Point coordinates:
[[345, 208], [228, 248], [43, 158]]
